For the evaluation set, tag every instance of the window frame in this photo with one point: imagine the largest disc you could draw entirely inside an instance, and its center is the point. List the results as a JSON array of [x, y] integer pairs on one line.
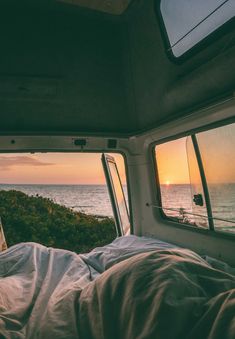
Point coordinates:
[[106, 160], [226, 28], [173, 221]]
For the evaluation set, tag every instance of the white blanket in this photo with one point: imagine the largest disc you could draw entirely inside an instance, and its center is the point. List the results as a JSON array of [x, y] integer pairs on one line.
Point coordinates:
[[132, 288], [39, 291]]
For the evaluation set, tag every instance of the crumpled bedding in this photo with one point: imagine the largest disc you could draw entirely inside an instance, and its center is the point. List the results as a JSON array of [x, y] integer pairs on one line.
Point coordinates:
[[39, 291], [135, 287], [170, 293]]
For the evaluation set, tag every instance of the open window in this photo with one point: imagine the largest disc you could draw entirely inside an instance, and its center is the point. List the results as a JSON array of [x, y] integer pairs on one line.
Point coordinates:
[[57, 199], [117, 195], [196, 176]]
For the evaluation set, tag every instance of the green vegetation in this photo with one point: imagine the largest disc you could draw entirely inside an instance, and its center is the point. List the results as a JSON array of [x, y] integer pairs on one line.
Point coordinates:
[[27, 218]]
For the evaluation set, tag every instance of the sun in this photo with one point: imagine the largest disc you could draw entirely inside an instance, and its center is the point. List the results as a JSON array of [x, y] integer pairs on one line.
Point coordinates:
[[168, 182]]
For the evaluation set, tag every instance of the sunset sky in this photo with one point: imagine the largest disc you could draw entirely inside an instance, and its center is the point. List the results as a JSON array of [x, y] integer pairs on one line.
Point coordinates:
[[217, 151], [172, 162], [216, 146], [55, 168]]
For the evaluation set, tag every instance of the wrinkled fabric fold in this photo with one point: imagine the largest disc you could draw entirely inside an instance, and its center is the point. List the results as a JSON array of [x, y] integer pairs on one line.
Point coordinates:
[[171, 293], [133, 288]]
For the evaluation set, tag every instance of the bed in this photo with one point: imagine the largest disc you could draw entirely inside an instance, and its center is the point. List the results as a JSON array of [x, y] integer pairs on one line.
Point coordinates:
[[135, 287]]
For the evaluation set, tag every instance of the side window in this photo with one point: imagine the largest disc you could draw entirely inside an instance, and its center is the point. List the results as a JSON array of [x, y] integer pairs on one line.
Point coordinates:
[[196, 177], [179, 182], [217, 148]]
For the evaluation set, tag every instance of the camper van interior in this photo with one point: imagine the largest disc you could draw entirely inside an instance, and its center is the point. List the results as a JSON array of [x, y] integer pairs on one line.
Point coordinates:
[[117, 181]]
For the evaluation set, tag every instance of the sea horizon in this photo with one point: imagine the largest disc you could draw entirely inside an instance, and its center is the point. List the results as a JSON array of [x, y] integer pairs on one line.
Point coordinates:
[[83, 198], [94, 199], [43, 184], [104, 184]]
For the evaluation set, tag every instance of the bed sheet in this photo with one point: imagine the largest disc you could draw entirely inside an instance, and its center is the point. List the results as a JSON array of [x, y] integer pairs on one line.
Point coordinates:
[[166, 293], [134, 287]]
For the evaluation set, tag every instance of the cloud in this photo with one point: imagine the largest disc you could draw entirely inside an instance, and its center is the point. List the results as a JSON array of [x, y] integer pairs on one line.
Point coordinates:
[[7, 163]]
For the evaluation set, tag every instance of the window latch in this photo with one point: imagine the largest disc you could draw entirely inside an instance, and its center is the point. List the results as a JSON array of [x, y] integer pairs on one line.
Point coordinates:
[[198, 199]]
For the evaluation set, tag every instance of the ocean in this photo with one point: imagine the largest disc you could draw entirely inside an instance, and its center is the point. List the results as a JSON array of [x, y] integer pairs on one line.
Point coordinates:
[[222, 198], [94, 199], [89, 199]]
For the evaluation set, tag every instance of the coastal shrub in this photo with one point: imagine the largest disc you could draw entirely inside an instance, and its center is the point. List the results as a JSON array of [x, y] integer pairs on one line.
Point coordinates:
[[34, 218]]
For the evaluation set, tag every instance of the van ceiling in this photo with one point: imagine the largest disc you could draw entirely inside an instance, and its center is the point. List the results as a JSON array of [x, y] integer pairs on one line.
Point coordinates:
[[108, 6], [65, 69]]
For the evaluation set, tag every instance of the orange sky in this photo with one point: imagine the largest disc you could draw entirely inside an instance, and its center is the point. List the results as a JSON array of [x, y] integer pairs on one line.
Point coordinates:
[[172, 162], [217, 151], [55, 168]]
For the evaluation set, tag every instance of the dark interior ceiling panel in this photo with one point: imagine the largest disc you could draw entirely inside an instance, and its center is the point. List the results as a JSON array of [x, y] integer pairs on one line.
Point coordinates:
[[68, 70], [60, 72], [116, 7]]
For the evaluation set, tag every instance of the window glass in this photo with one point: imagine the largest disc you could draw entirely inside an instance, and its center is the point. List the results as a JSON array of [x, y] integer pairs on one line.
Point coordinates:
[[120, 196], [183, 184], [179, 181], [197, 193], [188, 22], [217, 148]]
